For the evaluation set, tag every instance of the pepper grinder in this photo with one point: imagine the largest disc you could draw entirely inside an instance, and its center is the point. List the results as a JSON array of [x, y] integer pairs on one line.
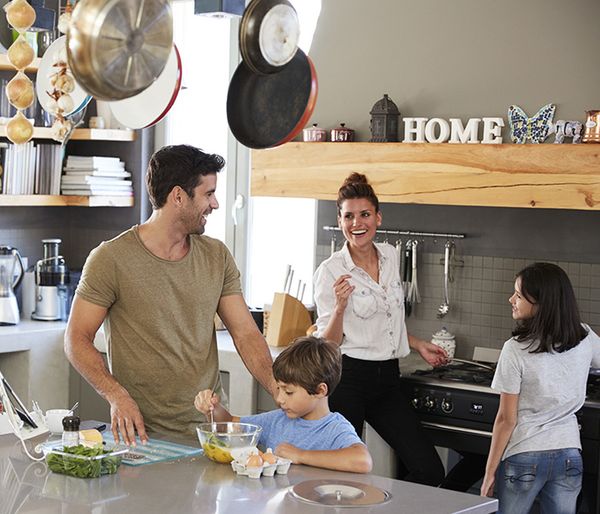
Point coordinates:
[[70, 436]]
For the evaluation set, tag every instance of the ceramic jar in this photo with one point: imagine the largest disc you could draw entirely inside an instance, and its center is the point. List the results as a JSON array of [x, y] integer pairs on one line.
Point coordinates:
[[445, 340], [342, 134], [314, 134]]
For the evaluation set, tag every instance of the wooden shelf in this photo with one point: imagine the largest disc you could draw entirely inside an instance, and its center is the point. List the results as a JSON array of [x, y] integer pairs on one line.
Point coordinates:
[[65, 201], [546, 176], [83, 134], [7, 66]]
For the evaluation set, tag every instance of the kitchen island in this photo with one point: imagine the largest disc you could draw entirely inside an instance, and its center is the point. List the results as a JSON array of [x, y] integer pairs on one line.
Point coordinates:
[[197, 485]]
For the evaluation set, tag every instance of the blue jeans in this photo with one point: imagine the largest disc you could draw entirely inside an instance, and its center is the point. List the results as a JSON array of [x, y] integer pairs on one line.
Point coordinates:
[[553, 476]]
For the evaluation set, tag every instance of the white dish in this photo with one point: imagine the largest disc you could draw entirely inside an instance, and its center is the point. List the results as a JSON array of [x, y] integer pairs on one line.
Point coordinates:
[[46, 69]]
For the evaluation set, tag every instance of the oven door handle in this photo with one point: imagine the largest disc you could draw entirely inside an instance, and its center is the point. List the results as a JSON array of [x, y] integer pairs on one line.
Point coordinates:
[[450, 428]]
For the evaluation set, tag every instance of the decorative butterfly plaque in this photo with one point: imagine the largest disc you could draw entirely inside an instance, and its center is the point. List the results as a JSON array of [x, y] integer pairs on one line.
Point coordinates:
[[523, 128]]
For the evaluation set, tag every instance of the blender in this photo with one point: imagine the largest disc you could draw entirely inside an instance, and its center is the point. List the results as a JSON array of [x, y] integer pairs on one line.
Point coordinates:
[[51, 284], [9, 310]]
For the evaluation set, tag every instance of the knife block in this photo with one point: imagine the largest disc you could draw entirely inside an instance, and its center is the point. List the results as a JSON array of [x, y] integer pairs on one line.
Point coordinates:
[[288, 319]]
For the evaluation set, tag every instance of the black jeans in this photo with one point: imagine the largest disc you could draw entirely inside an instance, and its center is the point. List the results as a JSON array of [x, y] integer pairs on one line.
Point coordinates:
[[370, 391]]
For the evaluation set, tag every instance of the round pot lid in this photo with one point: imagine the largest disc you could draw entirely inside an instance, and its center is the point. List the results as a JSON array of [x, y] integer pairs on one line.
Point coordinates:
[[117, 48], [264, 111], [151, 105], [341, 493], [269, 34], [53, 54]]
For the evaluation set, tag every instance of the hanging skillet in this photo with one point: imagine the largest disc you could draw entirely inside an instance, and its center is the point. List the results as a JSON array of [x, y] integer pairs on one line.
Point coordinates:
[[117, 48], [269, 33], [264, 111]]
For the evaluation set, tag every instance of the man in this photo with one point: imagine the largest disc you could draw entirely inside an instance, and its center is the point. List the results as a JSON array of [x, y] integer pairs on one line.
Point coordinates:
[[157, 287]]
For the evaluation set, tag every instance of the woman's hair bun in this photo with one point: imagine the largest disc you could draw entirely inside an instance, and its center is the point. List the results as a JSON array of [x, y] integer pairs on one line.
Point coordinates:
[[355, 178]]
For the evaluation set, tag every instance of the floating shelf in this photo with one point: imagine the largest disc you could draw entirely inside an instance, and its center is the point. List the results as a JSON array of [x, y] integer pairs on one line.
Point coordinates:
[[7, 66], [65, 201], [548, 176], [83, 134]]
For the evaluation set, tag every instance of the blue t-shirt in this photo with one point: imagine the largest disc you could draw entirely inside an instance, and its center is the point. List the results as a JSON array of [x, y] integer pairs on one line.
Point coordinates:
[[331, 432]]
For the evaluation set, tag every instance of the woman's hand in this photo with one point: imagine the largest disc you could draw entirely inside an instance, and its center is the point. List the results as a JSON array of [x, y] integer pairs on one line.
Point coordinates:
[[487, 486], [342, 291], [431, 353]]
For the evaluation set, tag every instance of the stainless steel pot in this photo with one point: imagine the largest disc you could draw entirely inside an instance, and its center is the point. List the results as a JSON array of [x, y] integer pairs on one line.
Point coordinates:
[[342, 134], [117, 48], [269, 33]]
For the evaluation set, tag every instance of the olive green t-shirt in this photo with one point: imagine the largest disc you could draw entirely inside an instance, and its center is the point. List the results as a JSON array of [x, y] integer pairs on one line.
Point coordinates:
[[160, 324]]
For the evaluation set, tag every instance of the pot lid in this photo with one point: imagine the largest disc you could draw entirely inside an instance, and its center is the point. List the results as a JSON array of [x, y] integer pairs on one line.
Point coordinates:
[[117, 48], [444, 335], [339, 493], [342, 128], [315, 128]]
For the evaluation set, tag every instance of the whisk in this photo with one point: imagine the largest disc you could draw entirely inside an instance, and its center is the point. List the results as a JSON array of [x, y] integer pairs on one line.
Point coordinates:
[[413, 288]]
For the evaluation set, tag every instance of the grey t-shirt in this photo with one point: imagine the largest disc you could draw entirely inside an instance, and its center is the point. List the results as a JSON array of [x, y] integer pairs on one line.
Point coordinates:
[[551, 389]]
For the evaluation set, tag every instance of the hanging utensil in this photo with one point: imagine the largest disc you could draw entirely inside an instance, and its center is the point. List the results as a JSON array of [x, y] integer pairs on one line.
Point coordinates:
[[445, 306], [117, 48], [269, 34], [332, 245], [415, 297], [407, 277], [265, 111]]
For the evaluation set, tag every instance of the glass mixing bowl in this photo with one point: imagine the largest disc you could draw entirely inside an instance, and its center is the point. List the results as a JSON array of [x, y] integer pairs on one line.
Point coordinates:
[[219, 439]]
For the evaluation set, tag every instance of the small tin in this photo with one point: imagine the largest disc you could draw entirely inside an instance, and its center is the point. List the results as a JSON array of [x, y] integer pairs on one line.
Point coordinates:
[[314, 134], [342, 134]]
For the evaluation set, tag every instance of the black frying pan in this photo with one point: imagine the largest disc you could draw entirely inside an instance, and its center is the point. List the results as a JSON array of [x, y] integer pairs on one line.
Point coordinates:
[[268, 110]]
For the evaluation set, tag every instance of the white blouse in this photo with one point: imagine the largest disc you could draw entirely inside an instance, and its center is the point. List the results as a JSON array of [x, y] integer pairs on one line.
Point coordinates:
[[373, 325]]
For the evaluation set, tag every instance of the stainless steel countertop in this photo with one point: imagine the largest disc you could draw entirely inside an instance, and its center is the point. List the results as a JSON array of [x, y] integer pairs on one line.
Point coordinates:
[[200, 486]]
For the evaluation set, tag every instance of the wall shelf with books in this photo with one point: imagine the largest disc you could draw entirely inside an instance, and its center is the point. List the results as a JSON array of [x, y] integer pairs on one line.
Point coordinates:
[[65, 201], [83, 134]]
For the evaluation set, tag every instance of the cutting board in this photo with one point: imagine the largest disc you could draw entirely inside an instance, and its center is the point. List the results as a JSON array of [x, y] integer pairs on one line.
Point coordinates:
[[155, 451]]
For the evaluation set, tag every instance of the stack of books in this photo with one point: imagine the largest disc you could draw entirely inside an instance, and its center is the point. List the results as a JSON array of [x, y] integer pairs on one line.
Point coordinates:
[[95, 176], [30, 169]]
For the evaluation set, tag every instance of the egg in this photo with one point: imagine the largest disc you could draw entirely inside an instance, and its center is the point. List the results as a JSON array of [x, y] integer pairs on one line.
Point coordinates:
[[269, 457], [254, 461]]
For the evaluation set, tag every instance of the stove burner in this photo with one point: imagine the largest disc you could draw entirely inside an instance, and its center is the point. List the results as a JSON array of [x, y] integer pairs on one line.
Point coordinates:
[[466, 373]]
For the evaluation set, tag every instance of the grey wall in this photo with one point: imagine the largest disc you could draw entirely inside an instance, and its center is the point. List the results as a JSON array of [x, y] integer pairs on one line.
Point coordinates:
[[468, 58]]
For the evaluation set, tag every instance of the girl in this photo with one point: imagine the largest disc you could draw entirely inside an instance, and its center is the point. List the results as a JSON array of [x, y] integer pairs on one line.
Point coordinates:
[[541, 376], [360, 306]]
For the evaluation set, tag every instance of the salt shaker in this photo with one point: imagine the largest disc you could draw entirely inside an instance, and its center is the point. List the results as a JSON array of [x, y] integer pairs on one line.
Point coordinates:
[[70, 436]]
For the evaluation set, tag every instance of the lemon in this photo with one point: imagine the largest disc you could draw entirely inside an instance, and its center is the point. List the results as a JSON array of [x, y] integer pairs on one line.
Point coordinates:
[[91, 438]]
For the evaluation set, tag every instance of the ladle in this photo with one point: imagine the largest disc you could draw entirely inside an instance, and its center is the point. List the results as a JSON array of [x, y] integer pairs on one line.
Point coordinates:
[[445, 306]]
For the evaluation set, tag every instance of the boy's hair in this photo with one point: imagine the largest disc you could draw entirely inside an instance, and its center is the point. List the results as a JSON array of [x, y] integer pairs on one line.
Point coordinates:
[[308, 362], [556, 324]]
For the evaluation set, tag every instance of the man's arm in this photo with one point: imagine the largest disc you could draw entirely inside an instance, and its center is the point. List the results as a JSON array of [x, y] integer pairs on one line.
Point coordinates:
[[248, 340], [84, 322], [355, 458]]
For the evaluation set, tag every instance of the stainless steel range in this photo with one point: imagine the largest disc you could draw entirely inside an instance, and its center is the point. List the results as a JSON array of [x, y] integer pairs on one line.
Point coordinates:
[[457, 408]]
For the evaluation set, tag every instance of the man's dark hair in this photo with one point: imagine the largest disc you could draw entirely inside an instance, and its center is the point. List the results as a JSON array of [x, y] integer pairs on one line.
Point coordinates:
[[308, 362], [178, 165]]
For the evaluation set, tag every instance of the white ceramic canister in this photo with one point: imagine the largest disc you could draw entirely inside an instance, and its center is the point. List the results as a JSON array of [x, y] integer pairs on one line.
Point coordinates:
[[445, 340]]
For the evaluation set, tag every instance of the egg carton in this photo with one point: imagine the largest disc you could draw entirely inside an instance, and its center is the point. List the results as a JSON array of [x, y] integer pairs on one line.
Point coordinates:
[[281, 467]]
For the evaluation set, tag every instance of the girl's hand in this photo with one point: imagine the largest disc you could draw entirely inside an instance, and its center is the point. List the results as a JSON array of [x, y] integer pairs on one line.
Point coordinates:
[[432, 354], [206, 402], [342, 291], [487, 486]]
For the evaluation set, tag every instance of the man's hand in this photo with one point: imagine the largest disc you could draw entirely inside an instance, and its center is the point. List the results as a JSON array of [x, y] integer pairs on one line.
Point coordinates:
[[289, 451], [206, 401], [126, 419]]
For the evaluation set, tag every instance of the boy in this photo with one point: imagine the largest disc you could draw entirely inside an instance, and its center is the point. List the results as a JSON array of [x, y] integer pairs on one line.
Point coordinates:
[[303, 429]]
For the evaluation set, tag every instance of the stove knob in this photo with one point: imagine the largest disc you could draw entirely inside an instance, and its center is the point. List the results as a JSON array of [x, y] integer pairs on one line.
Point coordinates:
[[429, 403], [447, 406], [416, 402]]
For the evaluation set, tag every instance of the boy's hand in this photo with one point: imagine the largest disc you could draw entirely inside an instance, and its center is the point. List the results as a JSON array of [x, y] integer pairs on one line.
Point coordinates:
[[289, 451], [206, 402]]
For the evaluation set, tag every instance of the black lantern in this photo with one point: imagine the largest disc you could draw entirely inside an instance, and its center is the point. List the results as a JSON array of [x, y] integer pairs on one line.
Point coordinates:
[[384, 121]]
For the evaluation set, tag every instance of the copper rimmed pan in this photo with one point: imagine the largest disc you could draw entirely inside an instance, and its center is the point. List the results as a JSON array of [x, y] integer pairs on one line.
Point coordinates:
[[264, 111]]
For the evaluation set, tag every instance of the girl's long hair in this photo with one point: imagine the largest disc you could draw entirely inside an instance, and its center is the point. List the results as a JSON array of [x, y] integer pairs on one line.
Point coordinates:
[[556, 325]]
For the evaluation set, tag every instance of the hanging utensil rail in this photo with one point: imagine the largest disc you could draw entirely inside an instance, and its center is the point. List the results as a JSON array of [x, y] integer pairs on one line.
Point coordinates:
[[412, 233]]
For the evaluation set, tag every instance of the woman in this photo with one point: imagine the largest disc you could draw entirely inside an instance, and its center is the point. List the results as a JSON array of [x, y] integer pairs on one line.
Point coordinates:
[[541, 377], [360, 304]]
